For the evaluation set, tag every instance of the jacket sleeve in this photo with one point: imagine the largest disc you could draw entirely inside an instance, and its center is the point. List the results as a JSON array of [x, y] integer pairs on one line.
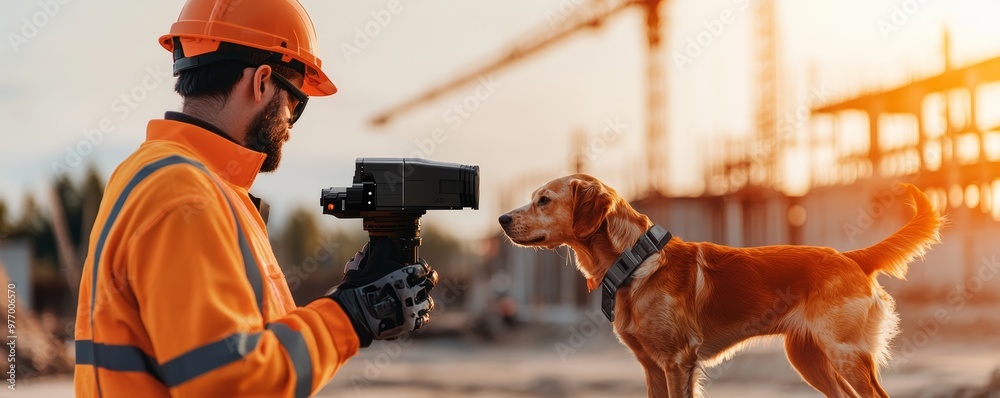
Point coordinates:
[[201, 316]]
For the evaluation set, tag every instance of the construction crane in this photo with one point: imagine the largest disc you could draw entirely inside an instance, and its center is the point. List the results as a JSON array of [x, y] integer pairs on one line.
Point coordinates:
[[768, 93], [755, 161], [589, 15]]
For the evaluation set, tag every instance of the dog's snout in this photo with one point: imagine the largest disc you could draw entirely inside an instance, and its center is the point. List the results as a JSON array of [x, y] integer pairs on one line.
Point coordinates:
[[506, 219]]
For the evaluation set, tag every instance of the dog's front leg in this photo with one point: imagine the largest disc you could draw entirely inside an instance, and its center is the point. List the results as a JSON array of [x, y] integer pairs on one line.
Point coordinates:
[[683, 374], [656, 377]]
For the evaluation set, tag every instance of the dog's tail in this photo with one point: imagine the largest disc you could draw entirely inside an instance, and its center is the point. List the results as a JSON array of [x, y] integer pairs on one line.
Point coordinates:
[[892, 255]]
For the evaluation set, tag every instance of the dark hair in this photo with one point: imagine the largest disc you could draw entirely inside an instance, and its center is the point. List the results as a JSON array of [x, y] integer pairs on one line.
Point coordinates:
[[215, 80], [219, 71]]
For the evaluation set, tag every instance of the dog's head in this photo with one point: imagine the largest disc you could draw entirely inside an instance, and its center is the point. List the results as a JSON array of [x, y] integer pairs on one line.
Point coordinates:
[[564, 210], [579, 211]]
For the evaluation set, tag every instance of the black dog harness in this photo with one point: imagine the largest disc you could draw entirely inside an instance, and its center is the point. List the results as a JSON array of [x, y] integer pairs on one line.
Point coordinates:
[[621, 271]]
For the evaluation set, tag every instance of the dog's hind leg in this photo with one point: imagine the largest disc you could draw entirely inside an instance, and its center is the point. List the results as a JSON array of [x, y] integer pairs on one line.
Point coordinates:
[[883, 326], [857, 343], [815, 368], [878, 386], [858, 367]]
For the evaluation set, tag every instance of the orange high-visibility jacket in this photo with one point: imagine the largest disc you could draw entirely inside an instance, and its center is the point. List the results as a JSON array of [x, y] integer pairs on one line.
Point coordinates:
[[181, 294]]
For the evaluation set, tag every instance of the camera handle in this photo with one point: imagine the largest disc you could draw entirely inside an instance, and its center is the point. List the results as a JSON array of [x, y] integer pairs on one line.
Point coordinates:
[[403, 228]]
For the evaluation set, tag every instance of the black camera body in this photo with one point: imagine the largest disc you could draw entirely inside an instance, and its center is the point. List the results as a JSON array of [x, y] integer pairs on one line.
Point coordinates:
[[391, 194]]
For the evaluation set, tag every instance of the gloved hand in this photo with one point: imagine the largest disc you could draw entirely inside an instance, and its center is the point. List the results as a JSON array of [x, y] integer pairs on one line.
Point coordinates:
[[384, 298]]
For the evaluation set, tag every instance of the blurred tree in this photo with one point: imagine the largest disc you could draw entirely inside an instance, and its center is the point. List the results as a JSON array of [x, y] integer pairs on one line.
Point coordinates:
[[31, 220], [92, 186], [300, 235], [442, 251], [5, 227], [91, 192], [79, 203], [309, 256], [34, 226], [76, 204], [342, 245], [71, 200]]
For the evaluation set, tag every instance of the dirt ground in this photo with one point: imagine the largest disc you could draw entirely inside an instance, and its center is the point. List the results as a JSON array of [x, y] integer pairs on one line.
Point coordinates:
[[953, 356], [605, 369]]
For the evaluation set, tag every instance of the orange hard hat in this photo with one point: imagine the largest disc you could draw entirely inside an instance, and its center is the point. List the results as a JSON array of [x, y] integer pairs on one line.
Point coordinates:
[[281, 28]]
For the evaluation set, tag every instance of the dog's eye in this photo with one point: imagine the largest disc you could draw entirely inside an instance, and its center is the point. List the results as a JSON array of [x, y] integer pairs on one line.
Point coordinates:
[[543, 200]]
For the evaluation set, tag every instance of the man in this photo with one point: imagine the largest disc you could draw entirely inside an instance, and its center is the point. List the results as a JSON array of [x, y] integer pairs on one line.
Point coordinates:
[[181, 294]]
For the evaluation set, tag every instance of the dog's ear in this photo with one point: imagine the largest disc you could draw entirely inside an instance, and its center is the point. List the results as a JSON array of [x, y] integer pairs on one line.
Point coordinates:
[[592, 203]]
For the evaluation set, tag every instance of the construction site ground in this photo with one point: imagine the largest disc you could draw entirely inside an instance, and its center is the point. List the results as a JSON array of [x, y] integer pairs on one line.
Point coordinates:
[[956, 358]]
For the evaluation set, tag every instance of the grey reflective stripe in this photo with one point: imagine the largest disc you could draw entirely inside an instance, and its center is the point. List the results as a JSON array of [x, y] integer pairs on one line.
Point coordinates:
[[249, 264], [297, 350], [201, 360], [208, 357], [128, 358], [121, 358]]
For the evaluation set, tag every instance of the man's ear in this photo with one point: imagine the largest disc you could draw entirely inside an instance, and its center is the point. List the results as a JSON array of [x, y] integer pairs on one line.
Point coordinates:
[[591, 206], [260, 76]]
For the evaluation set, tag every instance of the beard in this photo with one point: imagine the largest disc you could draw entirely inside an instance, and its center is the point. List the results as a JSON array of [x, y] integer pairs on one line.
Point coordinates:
[[267, 134]]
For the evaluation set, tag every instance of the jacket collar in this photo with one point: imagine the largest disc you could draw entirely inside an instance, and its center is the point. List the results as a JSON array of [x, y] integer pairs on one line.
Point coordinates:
[[231, 161]]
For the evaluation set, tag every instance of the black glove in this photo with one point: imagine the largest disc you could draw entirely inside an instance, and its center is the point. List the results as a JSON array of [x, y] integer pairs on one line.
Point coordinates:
[[384, 298]]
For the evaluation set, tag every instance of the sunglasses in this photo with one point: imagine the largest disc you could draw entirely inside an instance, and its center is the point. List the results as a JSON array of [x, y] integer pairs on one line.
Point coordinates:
[[295, 92]]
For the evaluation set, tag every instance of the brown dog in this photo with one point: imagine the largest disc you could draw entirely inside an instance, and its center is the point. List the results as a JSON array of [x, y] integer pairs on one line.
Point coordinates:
[[696, 304]]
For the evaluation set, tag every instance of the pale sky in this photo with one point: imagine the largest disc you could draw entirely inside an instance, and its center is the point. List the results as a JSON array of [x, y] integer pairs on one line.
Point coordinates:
[[65, 77]]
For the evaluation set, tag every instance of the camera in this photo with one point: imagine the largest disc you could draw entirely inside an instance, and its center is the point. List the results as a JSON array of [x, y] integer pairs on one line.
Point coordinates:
[[391, 194]]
